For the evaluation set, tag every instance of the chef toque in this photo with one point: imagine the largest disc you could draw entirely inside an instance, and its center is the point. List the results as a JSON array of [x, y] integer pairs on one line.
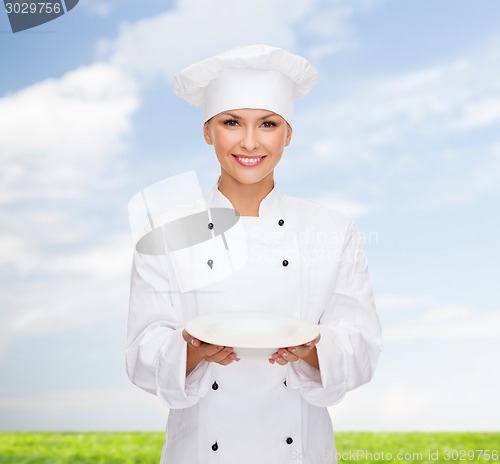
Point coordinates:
[[254, 76]]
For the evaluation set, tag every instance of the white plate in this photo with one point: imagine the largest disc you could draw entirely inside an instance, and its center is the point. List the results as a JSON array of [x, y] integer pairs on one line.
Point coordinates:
[[252, 334]]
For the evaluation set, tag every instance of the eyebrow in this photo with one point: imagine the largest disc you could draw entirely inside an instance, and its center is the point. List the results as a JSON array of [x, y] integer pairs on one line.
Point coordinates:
[[235, 116]]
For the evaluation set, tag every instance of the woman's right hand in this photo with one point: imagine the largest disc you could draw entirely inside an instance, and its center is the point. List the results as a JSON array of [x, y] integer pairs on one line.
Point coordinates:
[[198, 351]]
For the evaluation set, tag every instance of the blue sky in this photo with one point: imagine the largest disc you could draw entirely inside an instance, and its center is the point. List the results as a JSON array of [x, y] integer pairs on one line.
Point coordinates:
[[401, 132]]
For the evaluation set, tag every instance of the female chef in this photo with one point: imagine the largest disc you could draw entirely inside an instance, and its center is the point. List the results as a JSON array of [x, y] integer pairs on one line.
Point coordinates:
[[305, 260]]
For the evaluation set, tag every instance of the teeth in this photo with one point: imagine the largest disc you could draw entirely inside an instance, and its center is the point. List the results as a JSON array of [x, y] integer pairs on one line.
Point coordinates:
[[249, 160]]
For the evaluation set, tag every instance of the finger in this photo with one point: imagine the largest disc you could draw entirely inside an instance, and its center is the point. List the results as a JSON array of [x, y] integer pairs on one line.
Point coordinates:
[[186, 336], [195, 342], [281, 361], [282, 357], [313, 342], [289, 356], [273, 358], [190, 340], [230, 359], [299, 351], [206, 350], [220, 355]]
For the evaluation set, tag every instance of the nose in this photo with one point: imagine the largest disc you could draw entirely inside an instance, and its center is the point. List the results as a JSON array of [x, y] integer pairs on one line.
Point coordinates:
[[249, 140]]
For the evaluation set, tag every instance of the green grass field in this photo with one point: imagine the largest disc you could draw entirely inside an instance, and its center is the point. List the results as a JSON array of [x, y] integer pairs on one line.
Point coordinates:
[[145, 448]]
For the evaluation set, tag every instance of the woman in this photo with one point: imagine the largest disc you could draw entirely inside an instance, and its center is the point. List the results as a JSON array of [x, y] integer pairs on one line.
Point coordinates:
[[305, 260]]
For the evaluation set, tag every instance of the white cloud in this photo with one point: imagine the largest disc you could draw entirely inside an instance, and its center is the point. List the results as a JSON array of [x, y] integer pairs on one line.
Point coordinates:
[[427, 131], [477, 327], [62, 266], [401, 406], [340, 202], [176, 38], [116, 409], [98, 7], [182, 35], [58, 133], [413, 302], [61, 304], [417, 317], [455, 96], [104, 259], [76, 288], [472, 173], [446, 314]]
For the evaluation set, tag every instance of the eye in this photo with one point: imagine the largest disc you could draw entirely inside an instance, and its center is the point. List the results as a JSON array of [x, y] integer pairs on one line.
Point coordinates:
[[231, 122], [269, 124]]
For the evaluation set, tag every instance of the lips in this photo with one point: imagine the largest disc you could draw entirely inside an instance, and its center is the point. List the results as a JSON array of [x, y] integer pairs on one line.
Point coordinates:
[[248, 161]]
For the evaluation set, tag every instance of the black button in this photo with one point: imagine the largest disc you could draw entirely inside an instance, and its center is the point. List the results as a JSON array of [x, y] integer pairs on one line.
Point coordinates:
[[289, 441], [215, 446], [215, 386], [210, 226], [281, 222], [284, 383], [285, 263]]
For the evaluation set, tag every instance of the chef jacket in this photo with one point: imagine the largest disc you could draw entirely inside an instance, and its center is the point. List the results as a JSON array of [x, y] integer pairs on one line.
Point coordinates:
[[305, 260]]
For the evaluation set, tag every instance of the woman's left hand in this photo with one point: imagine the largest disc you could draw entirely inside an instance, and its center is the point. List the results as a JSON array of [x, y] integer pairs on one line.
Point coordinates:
[[291, 354]]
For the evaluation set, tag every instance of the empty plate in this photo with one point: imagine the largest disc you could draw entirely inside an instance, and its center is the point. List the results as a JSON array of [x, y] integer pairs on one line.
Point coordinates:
[[252, 334]]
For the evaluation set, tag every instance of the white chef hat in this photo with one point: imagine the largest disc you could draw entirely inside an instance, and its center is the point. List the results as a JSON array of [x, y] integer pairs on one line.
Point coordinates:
[[254, 76]]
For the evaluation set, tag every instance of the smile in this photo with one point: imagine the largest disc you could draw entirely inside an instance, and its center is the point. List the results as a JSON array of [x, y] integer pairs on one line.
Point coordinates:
[[249, 161]]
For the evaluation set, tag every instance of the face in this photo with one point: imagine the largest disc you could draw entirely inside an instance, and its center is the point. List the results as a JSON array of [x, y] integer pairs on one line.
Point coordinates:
[[248, 143]]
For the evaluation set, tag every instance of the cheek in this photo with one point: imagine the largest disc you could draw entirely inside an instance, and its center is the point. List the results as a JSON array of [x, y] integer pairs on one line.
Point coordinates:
[[277, 143], [224, 140]]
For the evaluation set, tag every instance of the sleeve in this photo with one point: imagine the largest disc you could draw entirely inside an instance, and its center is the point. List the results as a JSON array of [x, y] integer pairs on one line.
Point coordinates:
[[156, 351], [351, 337]]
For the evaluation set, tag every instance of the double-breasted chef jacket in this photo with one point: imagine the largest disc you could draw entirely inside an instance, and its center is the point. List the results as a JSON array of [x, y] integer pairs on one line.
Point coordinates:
[[305, 260]]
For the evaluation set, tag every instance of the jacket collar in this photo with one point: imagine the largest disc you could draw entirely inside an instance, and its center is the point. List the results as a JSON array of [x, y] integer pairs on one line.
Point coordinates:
[[269, 206]]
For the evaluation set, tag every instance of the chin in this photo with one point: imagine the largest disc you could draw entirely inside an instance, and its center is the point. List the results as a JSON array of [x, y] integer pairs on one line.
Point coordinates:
[[250, 180]]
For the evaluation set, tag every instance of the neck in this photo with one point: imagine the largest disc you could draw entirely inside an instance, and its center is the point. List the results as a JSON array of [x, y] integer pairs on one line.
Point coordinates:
[[245, 198]]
